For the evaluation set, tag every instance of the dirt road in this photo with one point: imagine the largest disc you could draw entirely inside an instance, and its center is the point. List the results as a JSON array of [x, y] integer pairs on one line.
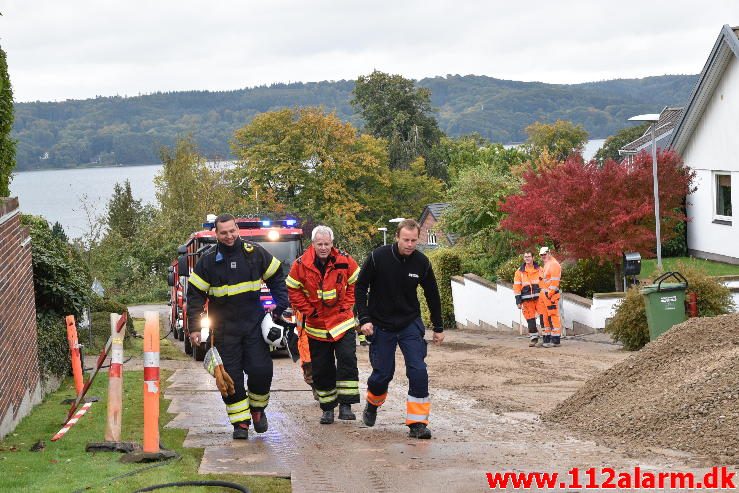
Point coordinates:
[[487, 394]]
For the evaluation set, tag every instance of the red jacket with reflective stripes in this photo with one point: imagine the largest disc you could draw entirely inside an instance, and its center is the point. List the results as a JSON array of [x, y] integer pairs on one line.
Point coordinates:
[[325, 300]]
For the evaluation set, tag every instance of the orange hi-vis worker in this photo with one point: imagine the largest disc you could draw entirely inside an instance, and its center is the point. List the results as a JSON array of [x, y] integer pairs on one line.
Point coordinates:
[[321, 287], [549, 296], [526, 289]]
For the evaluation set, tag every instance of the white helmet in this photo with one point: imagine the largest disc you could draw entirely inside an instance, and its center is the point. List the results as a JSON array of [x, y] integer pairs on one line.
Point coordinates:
[[273, 333]]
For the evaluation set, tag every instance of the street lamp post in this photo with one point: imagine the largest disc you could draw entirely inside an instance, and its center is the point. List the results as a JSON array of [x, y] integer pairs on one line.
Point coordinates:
[[653, 119], [384, 235]]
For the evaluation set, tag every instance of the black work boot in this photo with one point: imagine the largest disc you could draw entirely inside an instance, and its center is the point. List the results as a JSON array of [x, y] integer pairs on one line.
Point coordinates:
[[345, 412], [419, 430], [369, 416], [533, 341], [241, 430], [260, 421], [327, 417]]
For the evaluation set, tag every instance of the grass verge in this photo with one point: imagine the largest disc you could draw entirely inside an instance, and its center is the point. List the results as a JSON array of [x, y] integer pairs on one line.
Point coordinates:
[[709, 267], [64, 466]]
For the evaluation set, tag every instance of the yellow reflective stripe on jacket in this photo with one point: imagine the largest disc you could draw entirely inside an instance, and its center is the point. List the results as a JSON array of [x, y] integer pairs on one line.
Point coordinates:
[[326, 295], [318, 333], [353, 278], [199, 282], [342, 327], [273, 266], [293, 283], [234, 289]]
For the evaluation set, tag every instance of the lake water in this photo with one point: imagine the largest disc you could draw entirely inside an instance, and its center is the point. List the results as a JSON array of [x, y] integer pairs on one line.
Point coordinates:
[[58, 195]]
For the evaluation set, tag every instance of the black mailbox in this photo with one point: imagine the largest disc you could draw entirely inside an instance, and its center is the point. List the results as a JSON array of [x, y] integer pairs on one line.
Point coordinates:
[[632, 264]]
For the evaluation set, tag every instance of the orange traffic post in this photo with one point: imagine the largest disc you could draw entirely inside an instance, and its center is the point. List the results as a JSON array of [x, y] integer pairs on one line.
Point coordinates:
[[151, 382], [115, 382], [74, 352]]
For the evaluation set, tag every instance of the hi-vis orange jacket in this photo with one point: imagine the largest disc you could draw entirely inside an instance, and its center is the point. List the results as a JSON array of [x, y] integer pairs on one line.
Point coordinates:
[[325, 301], [526, 283], [550, 277]]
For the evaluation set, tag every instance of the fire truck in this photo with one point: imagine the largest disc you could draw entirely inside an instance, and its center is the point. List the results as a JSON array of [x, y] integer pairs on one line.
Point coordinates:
[[282, 238]]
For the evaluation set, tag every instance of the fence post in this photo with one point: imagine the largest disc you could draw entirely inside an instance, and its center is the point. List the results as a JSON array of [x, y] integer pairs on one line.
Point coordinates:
[[115, 382], [74, 352], [151, 382]]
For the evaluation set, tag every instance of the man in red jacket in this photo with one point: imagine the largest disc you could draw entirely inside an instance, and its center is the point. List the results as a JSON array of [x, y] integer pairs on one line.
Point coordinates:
[[321, 287]]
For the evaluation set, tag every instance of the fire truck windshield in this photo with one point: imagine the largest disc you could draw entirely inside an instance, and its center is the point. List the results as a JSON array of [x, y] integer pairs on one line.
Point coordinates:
[[285, 251]]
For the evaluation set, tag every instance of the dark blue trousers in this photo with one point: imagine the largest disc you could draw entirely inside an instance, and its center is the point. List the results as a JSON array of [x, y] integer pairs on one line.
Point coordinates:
[[382, 358]]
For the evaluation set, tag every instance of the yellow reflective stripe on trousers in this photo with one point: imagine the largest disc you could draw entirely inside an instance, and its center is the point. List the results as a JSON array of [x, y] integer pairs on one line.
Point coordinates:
[[293, 283], [326, 295], [348, 387], [342, 327], [273, 266], [353, 278], [238, 411], [259, 400], [326, 396], [234, 289], [199, 282]]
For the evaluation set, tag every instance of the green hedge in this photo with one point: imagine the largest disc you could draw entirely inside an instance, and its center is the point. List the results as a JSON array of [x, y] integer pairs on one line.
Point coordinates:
[[446, 263], [60, 284]]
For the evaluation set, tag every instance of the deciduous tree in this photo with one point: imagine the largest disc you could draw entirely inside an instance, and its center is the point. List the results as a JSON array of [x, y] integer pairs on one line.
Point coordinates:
[[560, 139], [590, 211], [395, 109]]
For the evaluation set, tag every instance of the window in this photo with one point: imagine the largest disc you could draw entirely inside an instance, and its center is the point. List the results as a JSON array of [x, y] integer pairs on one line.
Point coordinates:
[[431, 238], [722, 197]]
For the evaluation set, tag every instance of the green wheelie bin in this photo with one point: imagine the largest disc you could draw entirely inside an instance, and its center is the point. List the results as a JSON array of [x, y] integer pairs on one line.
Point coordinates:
[[665, 303]]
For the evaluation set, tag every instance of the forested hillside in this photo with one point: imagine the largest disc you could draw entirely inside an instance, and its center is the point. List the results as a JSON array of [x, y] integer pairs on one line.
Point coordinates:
[[118, 130]]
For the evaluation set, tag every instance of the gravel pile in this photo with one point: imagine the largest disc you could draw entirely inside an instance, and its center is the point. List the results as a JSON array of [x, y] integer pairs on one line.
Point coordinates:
[[679, 392]]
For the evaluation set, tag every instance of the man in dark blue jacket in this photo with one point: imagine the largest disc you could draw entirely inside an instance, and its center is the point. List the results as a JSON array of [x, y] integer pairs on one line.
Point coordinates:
[[390, 316], [229, 276]]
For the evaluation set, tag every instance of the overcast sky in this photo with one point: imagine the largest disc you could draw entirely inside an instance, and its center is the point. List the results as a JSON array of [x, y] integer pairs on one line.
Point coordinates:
[[76, 49]]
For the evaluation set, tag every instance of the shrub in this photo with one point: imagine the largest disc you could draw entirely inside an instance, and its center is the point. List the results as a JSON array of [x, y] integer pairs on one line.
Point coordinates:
[[713, 297], [629, 324], [446, 263], [53, 348], [60, 286], [507, 270], [587, 276]]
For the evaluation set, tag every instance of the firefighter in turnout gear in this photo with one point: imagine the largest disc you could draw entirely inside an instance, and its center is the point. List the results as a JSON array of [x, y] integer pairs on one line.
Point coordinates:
[[321, 286], [229, 277], [551, 274], [526, 289]]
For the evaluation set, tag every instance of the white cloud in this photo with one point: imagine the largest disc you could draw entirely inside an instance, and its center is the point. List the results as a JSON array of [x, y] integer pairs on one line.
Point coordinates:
[[83, 48]]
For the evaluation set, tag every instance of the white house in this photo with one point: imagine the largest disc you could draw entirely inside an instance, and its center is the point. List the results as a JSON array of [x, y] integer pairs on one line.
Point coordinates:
[[707, 137]]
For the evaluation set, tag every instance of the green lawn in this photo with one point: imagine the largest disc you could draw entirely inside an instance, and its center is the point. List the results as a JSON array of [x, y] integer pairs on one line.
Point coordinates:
[[64, 466], [711, 268]]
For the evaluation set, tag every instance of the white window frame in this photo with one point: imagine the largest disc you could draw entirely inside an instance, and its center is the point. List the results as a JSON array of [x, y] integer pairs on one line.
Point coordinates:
[[714, 195], [431, 237]]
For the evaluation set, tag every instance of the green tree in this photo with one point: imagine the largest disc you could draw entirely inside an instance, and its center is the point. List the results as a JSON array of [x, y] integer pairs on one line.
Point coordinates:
[[470, 151], [412, 189], [560, 139], [308, 163], [610, 147], [58, 231], [395, 109], [124, 213], [7, 145], [188, 189]]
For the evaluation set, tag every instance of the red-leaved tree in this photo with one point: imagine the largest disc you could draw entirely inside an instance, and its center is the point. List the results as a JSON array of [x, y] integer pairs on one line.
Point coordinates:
[[589, 211]]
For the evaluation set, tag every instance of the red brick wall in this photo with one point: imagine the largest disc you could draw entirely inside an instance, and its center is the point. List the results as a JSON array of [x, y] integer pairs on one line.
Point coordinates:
[[429, 223], [20, 384]]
